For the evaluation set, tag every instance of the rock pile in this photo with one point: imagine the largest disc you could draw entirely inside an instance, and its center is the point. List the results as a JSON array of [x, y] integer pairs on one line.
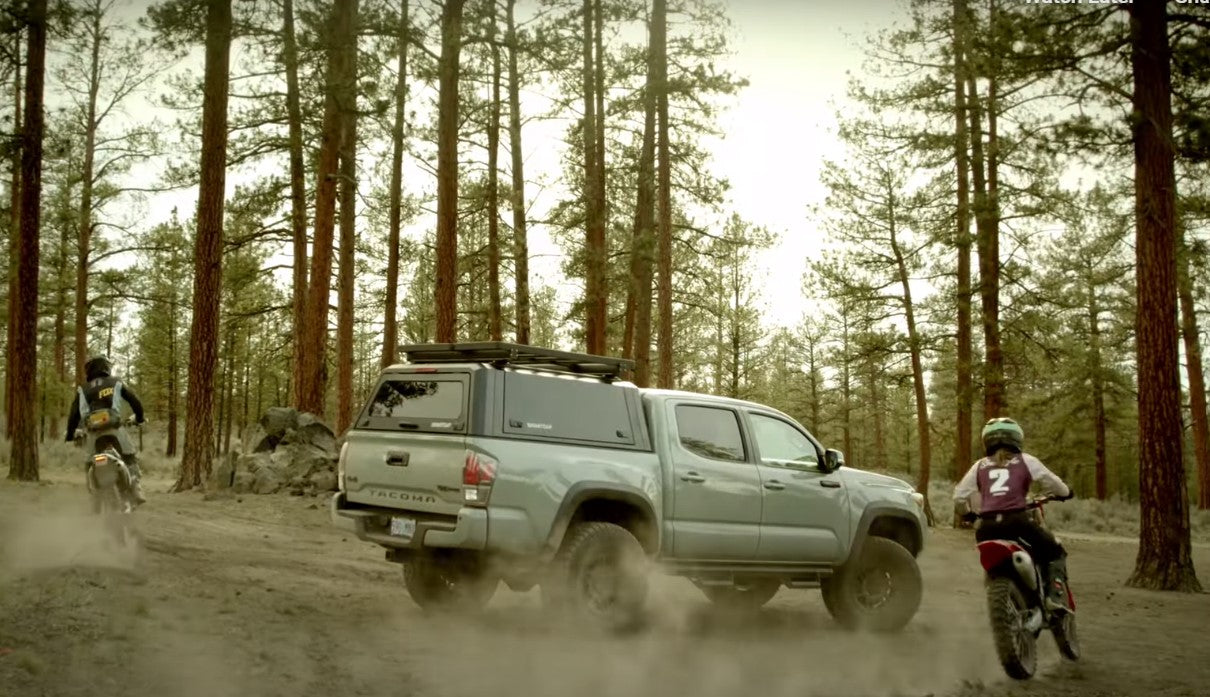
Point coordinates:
[[290, 451]]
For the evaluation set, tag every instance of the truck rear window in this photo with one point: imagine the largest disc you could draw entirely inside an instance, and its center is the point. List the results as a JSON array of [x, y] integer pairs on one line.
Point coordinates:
[[423, 402]]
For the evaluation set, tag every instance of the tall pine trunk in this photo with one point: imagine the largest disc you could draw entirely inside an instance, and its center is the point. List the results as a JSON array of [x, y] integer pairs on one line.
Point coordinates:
[[962, 243], [446, 284], [637, 338], [493, 193], [339, 92], [390, 330], [23, 458], [989, 265], [1197, 382], [1165, 559], [173, 386], [915, 347], [1098, 390], [14, 192], [208, 250], [659, 59], [520, 240], [298, 197], [345, 291], [594, 244], [62, 269], [84, 248]]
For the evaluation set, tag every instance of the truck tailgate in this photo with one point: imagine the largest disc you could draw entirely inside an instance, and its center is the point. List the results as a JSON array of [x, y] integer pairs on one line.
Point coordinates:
[[409, 471]]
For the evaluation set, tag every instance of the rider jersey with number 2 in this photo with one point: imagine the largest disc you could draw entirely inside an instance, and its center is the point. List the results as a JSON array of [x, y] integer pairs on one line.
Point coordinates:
[[1005, 488]]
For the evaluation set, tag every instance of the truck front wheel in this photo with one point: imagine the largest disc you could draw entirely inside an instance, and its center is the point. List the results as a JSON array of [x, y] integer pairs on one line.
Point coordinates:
[[878, 591]]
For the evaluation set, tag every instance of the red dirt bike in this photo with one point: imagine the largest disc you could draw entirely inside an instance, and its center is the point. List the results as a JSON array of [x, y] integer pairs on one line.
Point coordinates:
[[1016, 603]]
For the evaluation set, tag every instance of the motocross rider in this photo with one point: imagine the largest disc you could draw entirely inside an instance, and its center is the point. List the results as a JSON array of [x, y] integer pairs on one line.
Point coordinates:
[[996, 488], [103, 391]]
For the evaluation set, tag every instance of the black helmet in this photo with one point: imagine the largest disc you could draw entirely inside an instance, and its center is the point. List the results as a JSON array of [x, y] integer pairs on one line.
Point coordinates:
[[96, 367], [1003, 433]]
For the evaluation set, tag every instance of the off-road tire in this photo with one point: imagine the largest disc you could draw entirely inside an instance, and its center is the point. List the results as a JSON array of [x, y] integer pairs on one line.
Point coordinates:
[[748, 597], [1007, 611], [847, 593], [600, 576], [1066, 636], [437, 583]]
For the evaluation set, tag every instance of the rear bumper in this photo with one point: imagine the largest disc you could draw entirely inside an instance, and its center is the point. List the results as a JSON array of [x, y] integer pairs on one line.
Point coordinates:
[[468, 531]]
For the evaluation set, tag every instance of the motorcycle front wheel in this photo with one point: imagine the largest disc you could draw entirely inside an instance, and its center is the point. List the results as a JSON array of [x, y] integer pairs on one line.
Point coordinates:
[[1016, 645], [1066, 637]]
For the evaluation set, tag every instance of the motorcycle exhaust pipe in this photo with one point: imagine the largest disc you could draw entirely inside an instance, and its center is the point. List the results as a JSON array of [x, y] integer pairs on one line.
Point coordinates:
[[1025, 567]]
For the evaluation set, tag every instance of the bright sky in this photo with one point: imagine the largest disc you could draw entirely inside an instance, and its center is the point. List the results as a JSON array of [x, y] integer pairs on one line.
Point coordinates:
[[795, 55]]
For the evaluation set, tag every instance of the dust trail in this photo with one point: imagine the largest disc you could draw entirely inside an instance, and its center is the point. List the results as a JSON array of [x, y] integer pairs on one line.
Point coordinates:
[[66, 535]]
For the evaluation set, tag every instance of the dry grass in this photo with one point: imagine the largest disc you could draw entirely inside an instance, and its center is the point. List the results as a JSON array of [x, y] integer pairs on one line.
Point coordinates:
[[58, 456]]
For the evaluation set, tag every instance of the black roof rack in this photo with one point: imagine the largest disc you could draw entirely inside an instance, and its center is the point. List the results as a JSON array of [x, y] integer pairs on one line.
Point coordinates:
[[501, 353]]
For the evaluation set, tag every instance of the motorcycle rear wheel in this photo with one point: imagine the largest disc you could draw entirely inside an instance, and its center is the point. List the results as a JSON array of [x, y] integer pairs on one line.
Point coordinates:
[[1015, 644]]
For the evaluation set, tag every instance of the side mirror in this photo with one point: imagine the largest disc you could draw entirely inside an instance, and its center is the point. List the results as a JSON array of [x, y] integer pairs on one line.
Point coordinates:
[[833, 459]]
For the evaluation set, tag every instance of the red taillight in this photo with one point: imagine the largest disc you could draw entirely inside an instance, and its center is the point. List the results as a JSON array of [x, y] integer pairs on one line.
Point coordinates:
[[479, 469], [993, 553]]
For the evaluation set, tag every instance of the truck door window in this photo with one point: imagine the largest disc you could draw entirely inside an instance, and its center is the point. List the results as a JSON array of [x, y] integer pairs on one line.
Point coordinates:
[[710, 432], [780, 442]]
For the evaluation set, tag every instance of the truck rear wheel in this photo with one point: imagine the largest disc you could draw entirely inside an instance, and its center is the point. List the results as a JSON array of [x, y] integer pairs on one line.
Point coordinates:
[[600, 574], [878, 591], [445, 583]]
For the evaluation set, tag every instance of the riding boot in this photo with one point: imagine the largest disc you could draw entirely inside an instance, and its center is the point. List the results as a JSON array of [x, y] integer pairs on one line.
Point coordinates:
[[1056, 584]]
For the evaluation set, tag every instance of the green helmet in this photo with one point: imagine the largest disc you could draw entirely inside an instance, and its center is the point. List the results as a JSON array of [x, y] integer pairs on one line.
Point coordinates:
[[1003, 433]]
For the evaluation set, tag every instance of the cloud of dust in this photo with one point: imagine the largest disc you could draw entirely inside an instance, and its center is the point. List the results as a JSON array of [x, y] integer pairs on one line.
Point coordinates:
[[790, 648], [58, 536]]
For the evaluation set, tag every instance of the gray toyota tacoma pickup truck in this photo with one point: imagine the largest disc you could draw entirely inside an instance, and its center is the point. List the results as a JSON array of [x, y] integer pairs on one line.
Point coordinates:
[[480, 463]]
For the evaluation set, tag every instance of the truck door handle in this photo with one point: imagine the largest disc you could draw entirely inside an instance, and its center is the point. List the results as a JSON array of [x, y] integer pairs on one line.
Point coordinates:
[[774, 485], [397, 458], [829, 483], [692, 477]]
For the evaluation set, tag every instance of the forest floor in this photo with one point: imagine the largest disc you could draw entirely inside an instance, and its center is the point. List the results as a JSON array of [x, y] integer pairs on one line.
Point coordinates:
[[262, 595]]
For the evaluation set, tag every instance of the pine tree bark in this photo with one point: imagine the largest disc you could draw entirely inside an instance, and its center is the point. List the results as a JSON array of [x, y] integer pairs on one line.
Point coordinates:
[[446, 285], [345, 291], [989, 265], [298, 197], [339, 93], [173, 386], [1197, 382], [594, 244], [659, 58], [390, 330], [23, 458], [14, 192], [228, 390], [208, 250], [1165, 559], [963, 449], [520, 236], [1101, 483], [62, 271], [637, 337], [84, 248], [914, 345], [494, 322]]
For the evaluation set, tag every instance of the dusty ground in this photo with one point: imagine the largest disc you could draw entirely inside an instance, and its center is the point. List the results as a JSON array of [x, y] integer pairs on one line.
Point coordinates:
[[262, 596]]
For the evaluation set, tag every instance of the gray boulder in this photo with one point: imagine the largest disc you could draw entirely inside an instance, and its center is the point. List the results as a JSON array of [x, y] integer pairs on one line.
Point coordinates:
[[278, 420], [223, 476], [242, 482], [324, 481], [267, 481], [315, 434]]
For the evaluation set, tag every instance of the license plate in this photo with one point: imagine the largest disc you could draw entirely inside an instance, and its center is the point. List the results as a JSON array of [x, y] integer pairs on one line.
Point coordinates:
[[403, 527]]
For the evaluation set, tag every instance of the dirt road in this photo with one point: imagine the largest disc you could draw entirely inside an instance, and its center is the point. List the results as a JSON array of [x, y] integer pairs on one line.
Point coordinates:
[[262, 596]]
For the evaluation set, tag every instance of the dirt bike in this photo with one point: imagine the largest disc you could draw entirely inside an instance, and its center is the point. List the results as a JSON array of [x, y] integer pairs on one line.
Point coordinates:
[[109, 481], [1016, 603]]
